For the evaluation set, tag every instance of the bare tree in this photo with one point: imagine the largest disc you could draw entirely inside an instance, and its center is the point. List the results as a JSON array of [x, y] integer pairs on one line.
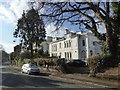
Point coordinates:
[[89, 15]]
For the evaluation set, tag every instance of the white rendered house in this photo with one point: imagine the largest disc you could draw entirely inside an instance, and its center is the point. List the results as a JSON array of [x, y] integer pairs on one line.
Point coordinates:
[[79, 45]]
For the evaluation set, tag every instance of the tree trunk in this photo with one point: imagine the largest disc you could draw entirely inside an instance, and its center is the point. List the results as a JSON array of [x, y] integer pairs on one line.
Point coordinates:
[[31, 49], [108, 31]]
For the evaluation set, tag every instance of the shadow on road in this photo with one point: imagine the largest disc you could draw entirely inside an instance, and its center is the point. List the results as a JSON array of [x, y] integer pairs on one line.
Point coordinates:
[[18, 80], [44, 74]]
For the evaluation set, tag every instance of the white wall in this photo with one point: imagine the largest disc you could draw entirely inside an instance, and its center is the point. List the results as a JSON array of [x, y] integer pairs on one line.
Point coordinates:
[[82, 49], [95, 48], [73, 49], [77, 49], [45, 46]]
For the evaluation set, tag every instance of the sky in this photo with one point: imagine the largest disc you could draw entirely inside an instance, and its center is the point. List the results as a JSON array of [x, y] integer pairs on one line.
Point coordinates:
[[10, 12]]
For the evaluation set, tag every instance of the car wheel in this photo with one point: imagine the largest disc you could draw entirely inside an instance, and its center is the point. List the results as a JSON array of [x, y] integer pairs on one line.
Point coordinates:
[[38, 73]]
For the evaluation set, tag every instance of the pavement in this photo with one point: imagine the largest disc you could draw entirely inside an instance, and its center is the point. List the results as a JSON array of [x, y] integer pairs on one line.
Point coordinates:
[[13, 78], [82, 77], [85, 77]]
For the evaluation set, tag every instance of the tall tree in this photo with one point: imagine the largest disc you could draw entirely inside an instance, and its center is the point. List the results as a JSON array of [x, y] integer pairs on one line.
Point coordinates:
[[116, 29], [30, 30], [88, 14]]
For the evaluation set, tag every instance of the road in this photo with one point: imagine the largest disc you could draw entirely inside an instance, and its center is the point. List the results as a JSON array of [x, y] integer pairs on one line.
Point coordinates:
[[12, 77]]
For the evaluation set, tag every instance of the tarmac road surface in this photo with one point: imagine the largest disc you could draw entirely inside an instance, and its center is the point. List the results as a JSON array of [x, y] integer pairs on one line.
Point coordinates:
[[13, 78]]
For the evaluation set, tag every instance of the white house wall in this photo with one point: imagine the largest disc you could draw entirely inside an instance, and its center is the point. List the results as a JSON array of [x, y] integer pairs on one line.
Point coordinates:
[[45, 46], [73, 49], [96, 49], [77, 50], [82, 49]]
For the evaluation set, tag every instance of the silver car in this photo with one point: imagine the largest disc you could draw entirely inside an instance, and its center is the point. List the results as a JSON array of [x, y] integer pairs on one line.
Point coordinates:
[[30, 69]]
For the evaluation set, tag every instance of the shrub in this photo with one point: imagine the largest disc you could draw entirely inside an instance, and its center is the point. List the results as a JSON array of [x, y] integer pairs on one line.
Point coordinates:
[[107, 61], [100, 62], [55, 63], [76, 63], [50, 61], [93, 63], [25, 54]]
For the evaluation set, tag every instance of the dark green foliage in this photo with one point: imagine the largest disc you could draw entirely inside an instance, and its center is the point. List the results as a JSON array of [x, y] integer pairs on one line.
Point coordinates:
[[76, 63], [17, 48], [25, 55], [54, 63], [116, 31], [15, 58], [60, 65], [12, 56], [30, 30], [46, 54], [40, 53]]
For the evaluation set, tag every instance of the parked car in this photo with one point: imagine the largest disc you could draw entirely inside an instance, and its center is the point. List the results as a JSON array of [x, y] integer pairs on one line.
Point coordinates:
[[30, 69]]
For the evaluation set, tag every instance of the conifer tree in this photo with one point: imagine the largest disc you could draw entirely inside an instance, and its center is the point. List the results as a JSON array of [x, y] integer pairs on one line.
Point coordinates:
[[30, 30]]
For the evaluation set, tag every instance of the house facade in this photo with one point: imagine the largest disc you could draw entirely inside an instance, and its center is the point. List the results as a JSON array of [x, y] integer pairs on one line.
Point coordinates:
[[45, 45], [79, 45]]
